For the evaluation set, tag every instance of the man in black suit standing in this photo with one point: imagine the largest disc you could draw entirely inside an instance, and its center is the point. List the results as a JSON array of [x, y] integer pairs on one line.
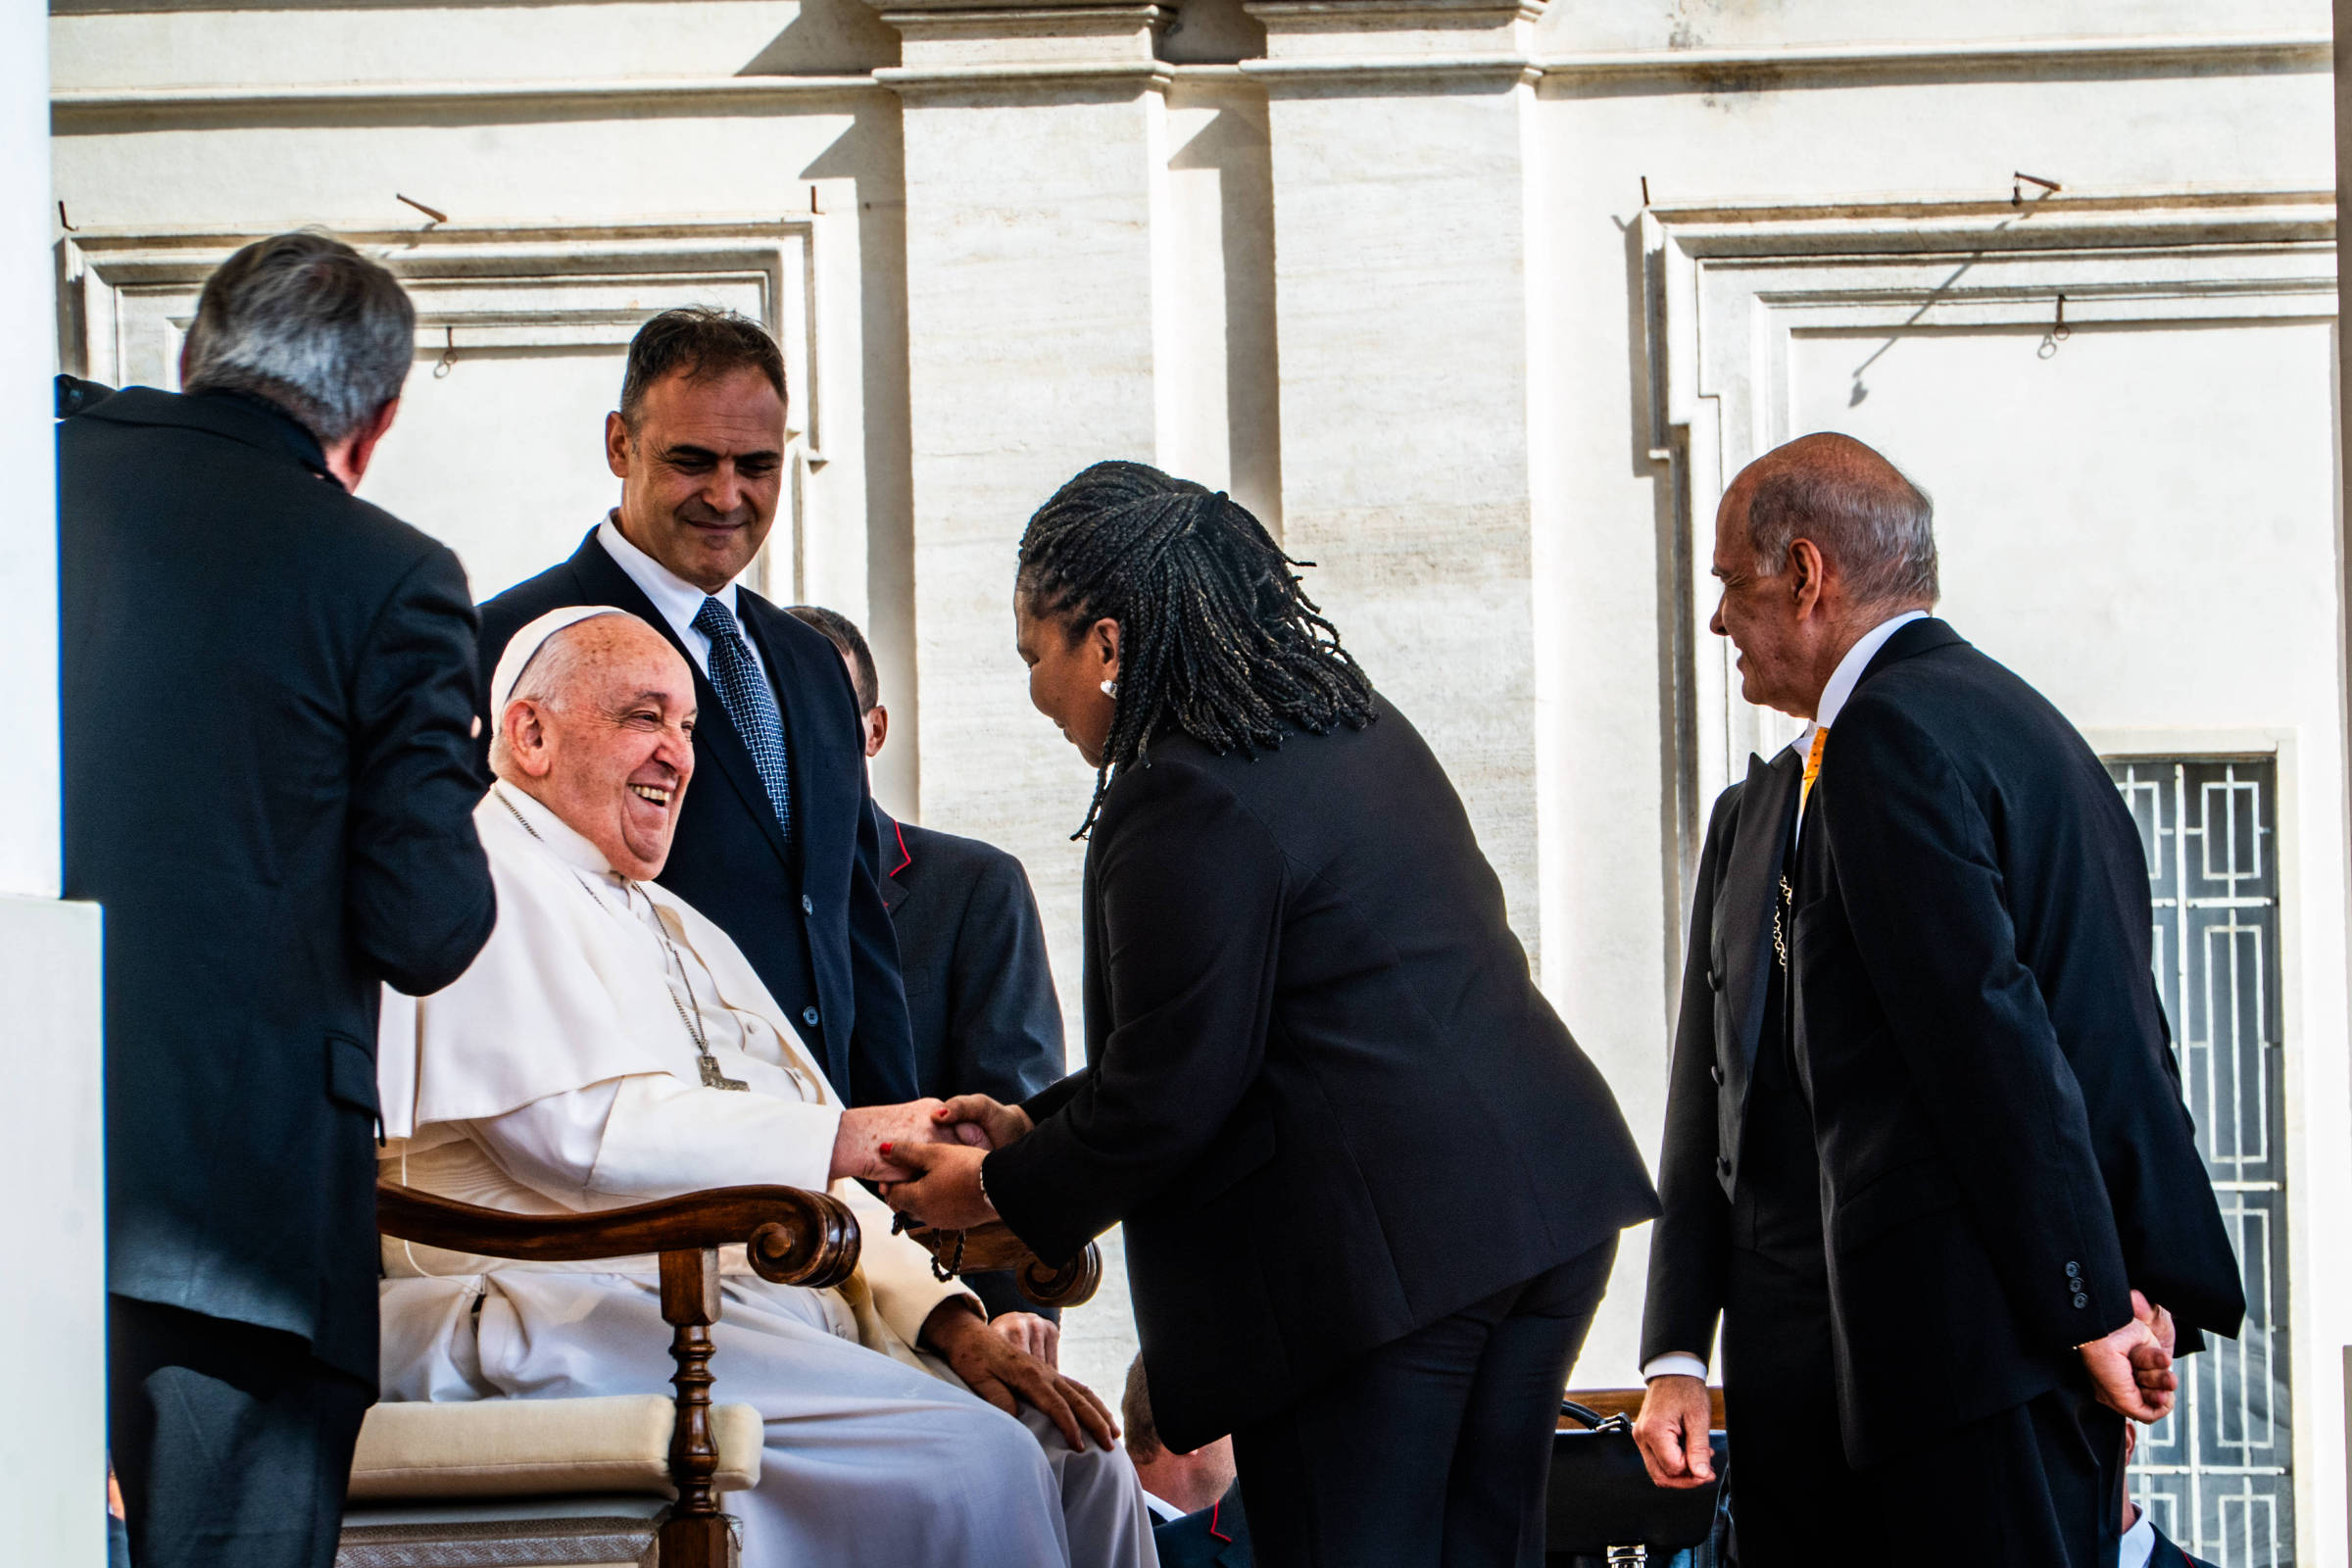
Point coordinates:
[[268, 697], [781, 850], [980, 998], [1926, 1154]]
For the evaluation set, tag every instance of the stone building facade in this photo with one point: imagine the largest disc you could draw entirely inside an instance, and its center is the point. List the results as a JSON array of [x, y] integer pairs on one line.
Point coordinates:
[[1478, 304]]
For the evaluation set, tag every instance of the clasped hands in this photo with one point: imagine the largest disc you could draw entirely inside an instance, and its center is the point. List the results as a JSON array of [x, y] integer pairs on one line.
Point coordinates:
[[2130, 1372], [925, 1154]]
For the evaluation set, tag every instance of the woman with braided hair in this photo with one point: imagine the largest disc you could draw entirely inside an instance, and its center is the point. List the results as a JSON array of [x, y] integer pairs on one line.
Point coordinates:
[[1371, 1187]]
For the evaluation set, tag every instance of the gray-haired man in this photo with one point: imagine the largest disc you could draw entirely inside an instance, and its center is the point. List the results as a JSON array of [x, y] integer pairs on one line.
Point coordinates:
[[269, 699]]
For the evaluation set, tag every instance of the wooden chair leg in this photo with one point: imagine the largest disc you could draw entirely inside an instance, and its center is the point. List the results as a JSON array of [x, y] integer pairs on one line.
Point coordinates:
[[697, 1535]]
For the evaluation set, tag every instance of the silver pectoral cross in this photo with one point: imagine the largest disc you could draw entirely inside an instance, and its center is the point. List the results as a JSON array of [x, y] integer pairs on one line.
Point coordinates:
[[712, 1078]]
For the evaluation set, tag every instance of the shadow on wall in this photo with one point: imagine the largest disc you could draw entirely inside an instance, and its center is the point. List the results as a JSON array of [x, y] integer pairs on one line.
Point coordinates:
[[827, 38], [1235, 145]]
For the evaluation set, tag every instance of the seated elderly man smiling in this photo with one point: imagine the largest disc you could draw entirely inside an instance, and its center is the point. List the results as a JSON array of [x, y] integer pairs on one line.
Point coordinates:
[[610, 1046]]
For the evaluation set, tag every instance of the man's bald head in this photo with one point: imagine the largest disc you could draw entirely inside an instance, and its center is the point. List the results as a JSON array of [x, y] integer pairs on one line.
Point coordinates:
[[1872, 526], [600, 730]]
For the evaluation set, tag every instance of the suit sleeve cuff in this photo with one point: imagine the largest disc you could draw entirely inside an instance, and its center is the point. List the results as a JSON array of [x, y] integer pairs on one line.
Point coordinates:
[[1674, 1364]]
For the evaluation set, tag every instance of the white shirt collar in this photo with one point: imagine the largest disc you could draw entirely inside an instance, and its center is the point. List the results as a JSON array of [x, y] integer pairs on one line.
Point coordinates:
[[1162, 1510], [1849, 674], [2140, 1543], [559, 837], [678, 600]]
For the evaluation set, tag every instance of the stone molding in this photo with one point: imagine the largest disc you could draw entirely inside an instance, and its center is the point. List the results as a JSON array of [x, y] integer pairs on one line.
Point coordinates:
[[1041, 47], [1751, 70]]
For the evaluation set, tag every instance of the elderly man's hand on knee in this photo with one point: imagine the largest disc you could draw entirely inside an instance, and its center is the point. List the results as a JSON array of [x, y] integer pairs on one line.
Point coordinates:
[[1002, 1373]]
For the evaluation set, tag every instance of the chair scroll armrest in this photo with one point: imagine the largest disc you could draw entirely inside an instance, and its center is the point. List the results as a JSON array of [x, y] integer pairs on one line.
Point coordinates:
[[791, 1235], [992, 1247]]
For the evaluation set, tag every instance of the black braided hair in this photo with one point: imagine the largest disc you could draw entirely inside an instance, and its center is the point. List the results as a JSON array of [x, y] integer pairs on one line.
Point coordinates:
[[1217, 637]]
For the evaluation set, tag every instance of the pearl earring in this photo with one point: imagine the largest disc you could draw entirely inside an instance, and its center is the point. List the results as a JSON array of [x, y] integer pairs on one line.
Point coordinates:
[[1110, 689]]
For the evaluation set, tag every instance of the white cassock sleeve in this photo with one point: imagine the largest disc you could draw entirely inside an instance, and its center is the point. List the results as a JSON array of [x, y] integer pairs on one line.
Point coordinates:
[[651, 1135]]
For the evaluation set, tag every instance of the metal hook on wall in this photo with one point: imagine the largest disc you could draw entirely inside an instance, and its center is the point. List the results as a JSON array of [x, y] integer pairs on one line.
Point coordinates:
[[448, 354], [2058, 334], [2017, 195]]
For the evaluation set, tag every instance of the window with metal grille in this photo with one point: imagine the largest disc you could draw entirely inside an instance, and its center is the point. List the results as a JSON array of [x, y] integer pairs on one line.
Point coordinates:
[[2216, 1473]]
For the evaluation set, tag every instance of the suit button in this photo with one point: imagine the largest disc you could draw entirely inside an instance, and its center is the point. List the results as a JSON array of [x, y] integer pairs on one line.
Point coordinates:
[[809, 1016], [808, 905], [2074, 1271], [2081, 1301], [1715, 1071]]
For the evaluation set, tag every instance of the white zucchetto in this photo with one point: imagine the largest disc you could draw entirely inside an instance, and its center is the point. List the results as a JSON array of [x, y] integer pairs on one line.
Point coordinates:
[[524, 646]]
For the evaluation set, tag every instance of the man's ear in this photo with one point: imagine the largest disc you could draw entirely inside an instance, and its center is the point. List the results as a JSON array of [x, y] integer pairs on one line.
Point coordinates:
[[1806, 575], [618, 442], [363, 444], [524, 727], [877, 728]]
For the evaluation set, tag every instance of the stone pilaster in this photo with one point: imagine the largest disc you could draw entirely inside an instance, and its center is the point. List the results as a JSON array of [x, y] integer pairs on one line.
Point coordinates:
[[1409, 389]]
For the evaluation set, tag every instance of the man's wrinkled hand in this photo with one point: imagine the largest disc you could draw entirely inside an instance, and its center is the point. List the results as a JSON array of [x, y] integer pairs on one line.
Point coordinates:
[[2132, 1369], [982, 1122], [866, 1130], [1002, 1373], [942, 1186], [1671, 1432], [1031, 1335]]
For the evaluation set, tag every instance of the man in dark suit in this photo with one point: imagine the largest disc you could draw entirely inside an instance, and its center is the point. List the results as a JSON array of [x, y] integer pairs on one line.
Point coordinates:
[[1924, 1154], [980, 998], [781, 848], [268, 693], [2143, 1545], [1195, 1497]]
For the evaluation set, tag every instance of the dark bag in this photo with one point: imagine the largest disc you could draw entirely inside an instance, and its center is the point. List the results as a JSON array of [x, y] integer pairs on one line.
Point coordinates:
[[1601, 1496]]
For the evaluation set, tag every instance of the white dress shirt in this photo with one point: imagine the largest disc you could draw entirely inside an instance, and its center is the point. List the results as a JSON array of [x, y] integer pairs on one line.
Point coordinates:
[[678, 600], [2140, 1543], [1162, 1510], [1842, 681]]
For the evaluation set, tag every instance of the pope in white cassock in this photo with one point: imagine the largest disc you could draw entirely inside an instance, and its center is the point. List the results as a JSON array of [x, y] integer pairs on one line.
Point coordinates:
[[610, 1046]]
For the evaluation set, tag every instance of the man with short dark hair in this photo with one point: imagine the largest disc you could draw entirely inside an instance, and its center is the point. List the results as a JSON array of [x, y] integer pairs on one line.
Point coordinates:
[[1926, 1158], [268, 693], [780, 849], [980, 1002]]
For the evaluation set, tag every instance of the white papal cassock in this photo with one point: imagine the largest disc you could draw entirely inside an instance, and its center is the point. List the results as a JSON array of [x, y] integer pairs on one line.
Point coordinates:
[[559, 1075]]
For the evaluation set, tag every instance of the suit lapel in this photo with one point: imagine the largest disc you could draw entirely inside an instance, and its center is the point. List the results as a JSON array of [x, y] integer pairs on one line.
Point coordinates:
[[1748, 892], [895, 860], [715, 739]]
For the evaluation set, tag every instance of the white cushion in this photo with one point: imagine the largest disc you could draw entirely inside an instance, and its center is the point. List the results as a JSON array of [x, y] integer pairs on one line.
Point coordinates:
[[516, 1447]]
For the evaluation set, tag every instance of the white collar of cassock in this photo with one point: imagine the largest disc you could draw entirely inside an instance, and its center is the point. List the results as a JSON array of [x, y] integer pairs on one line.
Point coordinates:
[[560, 839]]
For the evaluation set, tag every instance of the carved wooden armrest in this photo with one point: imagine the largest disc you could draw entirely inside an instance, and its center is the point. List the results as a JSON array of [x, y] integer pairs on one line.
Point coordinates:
[[993, 1247], [791, 1237]]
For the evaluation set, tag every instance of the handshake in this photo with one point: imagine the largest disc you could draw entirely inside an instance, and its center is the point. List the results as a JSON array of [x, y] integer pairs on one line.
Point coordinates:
[[925, 1154]]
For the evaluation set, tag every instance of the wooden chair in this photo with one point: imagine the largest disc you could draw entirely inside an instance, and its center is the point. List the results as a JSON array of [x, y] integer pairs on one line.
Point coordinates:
[[790, 1236]]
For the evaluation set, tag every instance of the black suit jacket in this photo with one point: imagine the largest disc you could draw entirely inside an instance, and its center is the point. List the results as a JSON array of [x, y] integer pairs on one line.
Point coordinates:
[[1214, 1537], [980, 998], [2003, 1149], [2163, 1554], [807, 913], [268, 688], [1322, 1090]]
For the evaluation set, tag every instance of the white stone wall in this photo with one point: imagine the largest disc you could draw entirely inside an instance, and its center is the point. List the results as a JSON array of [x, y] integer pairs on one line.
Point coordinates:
[[1389, 273]]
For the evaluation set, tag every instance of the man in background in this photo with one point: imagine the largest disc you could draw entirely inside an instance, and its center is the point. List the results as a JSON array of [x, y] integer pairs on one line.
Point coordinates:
[[980, 1003], [1195, 1498], [1926, 1158], [780, 847], [269, 699]]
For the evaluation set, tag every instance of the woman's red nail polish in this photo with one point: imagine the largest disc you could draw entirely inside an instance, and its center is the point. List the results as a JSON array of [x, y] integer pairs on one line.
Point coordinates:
[[886, 1149]]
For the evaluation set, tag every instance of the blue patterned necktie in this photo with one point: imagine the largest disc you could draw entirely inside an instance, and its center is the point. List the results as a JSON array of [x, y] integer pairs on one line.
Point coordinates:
[[751, 705]]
